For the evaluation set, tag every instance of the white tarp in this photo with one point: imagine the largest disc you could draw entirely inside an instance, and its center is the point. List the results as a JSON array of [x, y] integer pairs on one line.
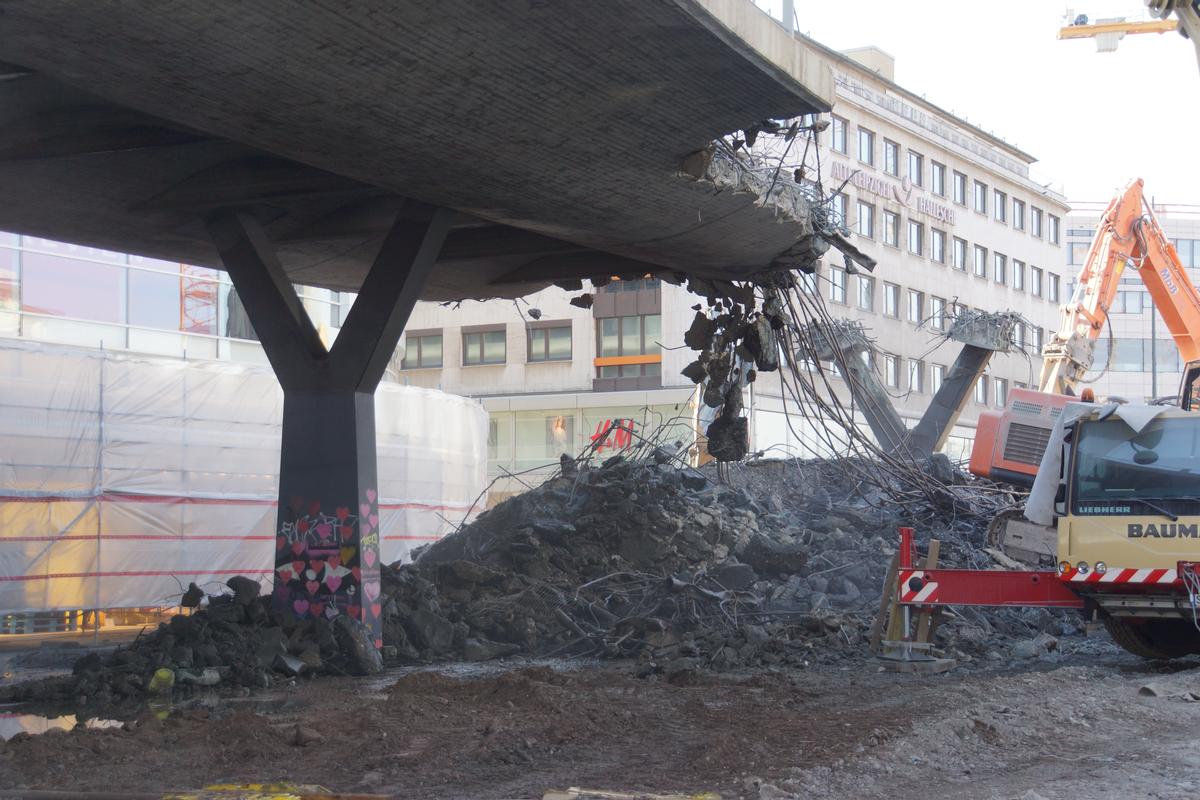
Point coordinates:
[[124, 477]]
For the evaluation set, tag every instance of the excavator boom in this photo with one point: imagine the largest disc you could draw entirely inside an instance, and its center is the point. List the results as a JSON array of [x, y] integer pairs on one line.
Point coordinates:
[[1128, 236]]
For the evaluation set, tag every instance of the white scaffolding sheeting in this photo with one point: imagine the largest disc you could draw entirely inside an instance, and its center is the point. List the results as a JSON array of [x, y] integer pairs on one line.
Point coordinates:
[[124, 477]]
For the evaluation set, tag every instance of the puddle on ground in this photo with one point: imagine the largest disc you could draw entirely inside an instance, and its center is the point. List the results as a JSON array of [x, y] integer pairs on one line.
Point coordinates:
[[11, 724]]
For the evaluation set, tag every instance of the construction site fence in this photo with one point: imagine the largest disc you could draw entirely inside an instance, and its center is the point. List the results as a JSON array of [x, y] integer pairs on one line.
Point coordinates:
[[125, 477]]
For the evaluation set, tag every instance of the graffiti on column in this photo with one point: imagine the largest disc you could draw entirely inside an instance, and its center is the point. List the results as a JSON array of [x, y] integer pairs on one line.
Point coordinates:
[[319, 558], [608, 436], [368, 542]]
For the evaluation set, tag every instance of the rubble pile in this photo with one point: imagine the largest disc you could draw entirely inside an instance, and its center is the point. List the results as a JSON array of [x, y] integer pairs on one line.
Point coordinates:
[[236, 640], [639, 559], [779, 564]]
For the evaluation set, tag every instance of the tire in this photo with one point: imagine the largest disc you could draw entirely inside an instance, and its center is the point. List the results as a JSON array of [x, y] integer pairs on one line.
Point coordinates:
[[1156, 639]]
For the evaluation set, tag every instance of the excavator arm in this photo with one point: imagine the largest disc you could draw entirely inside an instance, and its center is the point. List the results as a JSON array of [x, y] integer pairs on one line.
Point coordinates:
[[1009, 444], [1128, 235]]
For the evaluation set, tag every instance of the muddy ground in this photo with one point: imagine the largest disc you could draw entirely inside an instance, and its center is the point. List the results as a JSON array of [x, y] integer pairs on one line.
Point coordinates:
[[1075, 726]]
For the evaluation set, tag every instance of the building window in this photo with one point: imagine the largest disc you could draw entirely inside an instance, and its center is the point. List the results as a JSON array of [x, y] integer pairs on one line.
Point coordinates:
[[916, 306], [916, 168], [891, 157], [981, 197], [1035, 221], [1000, 206], [916, 376], [630, 336], [866, 293], [866, 220], [937, 245], [839, 203], [960, 254], [808, 282], [866, 147], [550, 342], [937, 178], [1018, 214], [937, 313], [839, 134], [1035, 281], [937, 376], [1052, 288], [1128, 303], [891, 371], [638, 285], [422, 351], [981, 268], [981, 390], [837, 285], [542, 436], [1019, 335], [891, 300], [1039, 338], [999, 268], [484, 347], [891, 229], [65, 287], [1188, 251], [1000, 390], [1018, 275], [960, 188], [1052, 233], [1077, 253], [916, 237]]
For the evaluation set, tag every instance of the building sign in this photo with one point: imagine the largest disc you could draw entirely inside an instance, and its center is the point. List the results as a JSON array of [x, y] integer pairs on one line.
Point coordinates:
[[610, 437], [895, 191]]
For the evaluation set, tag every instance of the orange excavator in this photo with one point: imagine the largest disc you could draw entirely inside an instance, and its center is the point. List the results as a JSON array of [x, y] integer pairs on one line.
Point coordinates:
[[1111, 526], [1009, 444]]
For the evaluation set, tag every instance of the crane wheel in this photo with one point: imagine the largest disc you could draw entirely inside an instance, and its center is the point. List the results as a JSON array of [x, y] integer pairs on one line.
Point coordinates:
[[1156, 639]]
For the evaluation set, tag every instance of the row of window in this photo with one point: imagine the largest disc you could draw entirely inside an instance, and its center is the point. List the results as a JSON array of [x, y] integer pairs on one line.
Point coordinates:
[[1003, 210], [936, 315], [1188, 249], [1036, 284], [987, 389], [1137, 355], [546, 341]]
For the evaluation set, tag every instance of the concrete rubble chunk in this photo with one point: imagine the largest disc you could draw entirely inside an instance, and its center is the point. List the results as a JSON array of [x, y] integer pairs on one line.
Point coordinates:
[[356, 644]]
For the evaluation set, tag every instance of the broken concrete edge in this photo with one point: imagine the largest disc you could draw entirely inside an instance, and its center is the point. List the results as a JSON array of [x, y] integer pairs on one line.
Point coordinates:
[[989, 330]]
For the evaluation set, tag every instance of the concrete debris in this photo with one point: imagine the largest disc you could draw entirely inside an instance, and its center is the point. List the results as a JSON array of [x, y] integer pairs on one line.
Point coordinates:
[[777, 564], [233, 641], [637, 559]]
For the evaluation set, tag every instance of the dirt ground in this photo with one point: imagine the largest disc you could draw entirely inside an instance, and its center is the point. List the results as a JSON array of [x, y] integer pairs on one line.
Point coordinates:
[[1076, 728]]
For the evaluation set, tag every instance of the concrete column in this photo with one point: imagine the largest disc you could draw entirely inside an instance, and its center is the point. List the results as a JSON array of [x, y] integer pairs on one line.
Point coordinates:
[[327, 530]]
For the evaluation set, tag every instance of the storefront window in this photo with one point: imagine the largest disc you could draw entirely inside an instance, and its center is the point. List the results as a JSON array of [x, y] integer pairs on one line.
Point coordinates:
[[543, 436], [66, 287], [154, 300]]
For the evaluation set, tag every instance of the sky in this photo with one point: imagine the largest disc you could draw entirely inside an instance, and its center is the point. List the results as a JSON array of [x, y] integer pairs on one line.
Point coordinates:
[[1093, 120]]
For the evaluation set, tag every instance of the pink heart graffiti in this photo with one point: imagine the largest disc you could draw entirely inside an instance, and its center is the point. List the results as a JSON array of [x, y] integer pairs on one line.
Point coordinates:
[[369, 556], [371, 495]]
